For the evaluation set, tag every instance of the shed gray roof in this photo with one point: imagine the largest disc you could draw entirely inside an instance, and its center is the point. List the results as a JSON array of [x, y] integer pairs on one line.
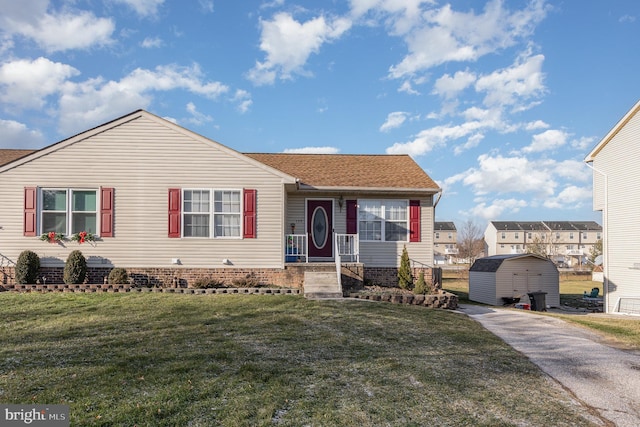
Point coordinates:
[[491, 264]]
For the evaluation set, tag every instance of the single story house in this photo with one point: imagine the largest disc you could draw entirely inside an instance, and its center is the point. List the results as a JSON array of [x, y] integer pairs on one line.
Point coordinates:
[[614, 162], [172, 206], [496, 277]]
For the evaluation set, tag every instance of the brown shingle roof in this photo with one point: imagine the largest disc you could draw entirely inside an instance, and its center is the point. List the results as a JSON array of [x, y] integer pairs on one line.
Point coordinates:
[[9, 155], [350, 170]]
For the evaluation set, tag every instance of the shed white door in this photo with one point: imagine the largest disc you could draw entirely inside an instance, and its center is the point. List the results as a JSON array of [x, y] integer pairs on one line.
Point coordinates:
[[526, 282]]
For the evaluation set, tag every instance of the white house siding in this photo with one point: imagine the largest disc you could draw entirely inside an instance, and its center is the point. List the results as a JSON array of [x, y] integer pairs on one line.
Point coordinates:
[[482, 287], [372, 254], [141, 159], [490, 240], [618, 159]]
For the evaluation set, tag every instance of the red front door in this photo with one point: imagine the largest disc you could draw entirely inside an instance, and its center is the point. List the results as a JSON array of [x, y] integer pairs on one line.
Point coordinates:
[[320, 228]]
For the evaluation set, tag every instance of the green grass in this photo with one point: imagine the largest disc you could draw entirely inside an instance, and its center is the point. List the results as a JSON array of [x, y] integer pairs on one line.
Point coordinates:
[[228, 360]]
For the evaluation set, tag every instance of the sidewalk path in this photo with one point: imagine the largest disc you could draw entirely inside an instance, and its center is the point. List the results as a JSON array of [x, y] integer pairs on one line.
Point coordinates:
[[605, 379]]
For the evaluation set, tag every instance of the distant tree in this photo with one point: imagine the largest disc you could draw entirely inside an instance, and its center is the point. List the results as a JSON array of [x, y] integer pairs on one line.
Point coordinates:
[[537, 246], [470, 241], [595, 251], [405, 278]]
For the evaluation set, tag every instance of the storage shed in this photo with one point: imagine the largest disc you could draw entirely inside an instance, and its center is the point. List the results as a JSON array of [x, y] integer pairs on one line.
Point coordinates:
[[513, 276]]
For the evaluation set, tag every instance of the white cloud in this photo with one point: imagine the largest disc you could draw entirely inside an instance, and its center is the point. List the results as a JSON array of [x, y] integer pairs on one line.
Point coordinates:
[[547, 140], [27, 84], [472, 142], [56, 30], [394, 120], [17, 135], [584, 142], [151, 42], [95, 100], [197, 118], [206, 5], [536, 125], [445, 35], [313, 150], [501, 175], [407, 87], [243, 99], [448, 86], [146, 8], [434, 137], [523, 80], [496, 208], [289, 43], [571, 197]]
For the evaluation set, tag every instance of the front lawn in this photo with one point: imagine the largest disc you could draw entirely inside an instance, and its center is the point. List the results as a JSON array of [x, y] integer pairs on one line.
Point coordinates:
[[235, 360]]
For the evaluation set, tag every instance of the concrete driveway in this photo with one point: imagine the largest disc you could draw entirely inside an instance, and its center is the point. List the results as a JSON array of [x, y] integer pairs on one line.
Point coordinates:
[[604, 379]]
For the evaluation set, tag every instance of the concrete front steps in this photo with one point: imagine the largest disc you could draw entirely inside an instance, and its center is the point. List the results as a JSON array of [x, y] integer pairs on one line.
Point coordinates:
[[321, 284]]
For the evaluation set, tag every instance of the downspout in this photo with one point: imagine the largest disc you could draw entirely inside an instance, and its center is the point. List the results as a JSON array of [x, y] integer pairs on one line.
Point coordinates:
[[605, 237]]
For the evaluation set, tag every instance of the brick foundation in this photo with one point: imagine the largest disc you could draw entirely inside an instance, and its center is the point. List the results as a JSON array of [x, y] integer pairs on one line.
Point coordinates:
[[292, 276]]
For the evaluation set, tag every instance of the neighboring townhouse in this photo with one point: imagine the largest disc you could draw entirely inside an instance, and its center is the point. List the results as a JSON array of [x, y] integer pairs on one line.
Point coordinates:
[[445, 243], [567, 243], [616, 193], [172, 206]]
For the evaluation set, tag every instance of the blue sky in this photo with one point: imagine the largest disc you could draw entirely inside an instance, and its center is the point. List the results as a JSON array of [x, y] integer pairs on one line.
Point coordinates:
[[499, 101]]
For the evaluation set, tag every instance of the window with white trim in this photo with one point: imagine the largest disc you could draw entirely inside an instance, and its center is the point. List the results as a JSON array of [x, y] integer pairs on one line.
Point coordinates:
[[69, 211], [383, 220], [219, 216]]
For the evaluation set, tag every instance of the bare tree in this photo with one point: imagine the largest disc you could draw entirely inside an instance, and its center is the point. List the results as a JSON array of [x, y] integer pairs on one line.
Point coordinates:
[[538, 246], [470, 241]]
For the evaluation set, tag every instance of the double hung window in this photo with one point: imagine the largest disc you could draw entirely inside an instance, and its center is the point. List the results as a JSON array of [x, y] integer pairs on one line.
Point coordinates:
[[383, 220], [69, 211], [211, 213]]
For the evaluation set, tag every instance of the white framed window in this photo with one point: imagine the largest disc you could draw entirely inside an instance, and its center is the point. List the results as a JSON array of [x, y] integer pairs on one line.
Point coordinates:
[[504, 235], [571, 236], [196, 213], [437, 235], [211, 213], [516, 235], [226, 213], [68, 211], [383, 220]]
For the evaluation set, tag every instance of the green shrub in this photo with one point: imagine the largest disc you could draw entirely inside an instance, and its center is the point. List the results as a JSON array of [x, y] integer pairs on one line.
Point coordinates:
[[421, 286], [75, 269], [27, 267], [118, 276], [405, 278], [208, 283]]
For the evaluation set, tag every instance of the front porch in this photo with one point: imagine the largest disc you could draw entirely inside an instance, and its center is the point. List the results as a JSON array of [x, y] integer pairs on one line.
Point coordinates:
[[346, 248]]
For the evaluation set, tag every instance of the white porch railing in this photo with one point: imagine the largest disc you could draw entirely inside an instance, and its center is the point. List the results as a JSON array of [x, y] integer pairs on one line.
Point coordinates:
[[575, 252], [348, 247], [296, 248]]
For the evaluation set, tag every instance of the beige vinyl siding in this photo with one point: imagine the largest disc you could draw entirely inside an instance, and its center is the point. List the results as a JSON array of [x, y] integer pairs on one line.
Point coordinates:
[[141, 159], [619, 160], [482, 287], [530, 274], [528, 269], [373, 254]]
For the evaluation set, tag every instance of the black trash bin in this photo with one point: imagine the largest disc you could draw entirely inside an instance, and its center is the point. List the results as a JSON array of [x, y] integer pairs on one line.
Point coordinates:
[[538, 301]]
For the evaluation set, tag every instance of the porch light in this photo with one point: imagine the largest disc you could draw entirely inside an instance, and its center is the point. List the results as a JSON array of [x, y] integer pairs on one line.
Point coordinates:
[[227, 261], [341, 202]]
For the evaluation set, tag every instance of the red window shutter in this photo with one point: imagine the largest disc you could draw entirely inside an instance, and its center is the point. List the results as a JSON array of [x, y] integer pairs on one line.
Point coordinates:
[[175, 209], [414, 220], [30, 209], [106, 212], [352, 217], [249, 214]]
